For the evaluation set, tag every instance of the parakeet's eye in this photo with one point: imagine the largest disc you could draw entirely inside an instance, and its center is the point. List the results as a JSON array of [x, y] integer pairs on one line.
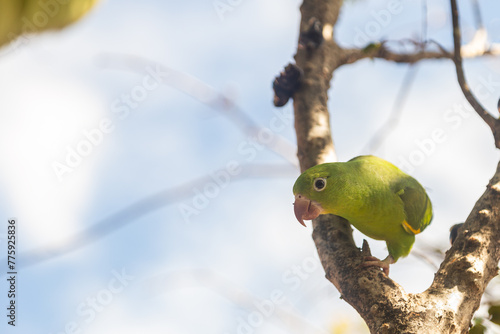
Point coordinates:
[[319, 184]]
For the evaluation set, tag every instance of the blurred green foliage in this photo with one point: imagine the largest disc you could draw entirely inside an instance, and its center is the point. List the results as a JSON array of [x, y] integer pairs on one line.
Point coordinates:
[[478, 328], [19, 17], [494, 312]]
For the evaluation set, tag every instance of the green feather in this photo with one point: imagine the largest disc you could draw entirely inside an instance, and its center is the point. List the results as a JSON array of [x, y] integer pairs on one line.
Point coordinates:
[[375, 196]]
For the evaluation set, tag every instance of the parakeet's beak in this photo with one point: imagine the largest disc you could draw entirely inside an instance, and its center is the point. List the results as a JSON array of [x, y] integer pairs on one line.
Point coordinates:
[[306, 209]]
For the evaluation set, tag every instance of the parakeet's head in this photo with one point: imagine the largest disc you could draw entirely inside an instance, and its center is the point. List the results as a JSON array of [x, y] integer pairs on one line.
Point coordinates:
[[313, 190]]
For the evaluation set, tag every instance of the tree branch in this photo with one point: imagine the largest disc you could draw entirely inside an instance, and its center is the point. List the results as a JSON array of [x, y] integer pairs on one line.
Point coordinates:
[[491, 121], [382, 52], [473, 259], [312, 120]]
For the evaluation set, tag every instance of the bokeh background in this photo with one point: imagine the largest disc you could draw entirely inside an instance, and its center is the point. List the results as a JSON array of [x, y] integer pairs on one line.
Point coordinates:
[[170, 93]]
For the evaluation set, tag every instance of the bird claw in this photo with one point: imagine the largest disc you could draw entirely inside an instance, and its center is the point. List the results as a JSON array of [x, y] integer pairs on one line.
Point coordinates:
[[372, 261]]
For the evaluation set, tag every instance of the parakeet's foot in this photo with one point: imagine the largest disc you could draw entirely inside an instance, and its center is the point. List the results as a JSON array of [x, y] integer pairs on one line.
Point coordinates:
[[375, 262]]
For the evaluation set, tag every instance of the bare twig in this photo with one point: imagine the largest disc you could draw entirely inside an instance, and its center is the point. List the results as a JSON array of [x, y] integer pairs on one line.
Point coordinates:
[[477, 14], [491, 121], [390, 125], [422, 256], [382, 52], [207, 95], [140, 208], [425, 15]]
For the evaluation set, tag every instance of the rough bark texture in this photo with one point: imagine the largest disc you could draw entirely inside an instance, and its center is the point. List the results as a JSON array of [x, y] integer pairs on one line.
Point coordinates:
[[314, 139], [449, 304]]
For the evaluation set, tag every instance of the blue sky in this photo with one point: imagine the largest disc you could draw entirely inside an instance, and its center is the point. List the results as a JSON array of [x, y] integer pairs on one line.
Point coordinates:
[[241, 263]]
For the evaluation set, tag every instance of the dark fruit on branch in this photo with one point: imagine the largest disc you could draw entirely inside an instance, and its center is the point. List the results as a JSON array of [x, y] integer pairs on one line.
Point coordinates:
[[286, 84]]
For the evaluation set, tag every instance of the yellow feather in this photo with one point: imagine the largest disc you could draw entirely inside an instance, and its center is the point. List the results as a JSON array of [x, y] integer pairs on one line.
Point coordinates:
[[409, 229]]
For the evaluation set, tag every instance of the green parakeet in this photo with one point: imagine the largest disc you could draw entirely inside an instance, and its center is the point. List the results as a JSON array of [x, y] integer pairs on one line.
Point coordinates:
[[375, 196]]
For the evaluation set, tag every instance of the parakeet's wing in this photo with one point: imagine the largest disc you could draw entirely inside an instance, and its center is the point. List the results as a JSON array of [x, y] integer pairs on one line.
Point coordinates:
[[417, 206]]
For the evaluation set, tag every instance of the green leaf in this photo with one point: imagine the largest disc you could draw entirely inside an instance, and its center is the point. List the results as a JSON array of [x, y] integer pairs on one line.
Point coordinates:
[[494, 312], [29, 16], [477, 329]]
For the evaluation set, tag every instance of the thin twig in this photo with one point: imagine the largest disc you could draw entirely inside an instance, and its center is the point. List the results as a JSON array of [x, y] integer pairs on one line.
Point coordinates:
[[390, 125], [424, 21], [477, 14], [207, 95], [426, 259], [140, 208], [492, 122]]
